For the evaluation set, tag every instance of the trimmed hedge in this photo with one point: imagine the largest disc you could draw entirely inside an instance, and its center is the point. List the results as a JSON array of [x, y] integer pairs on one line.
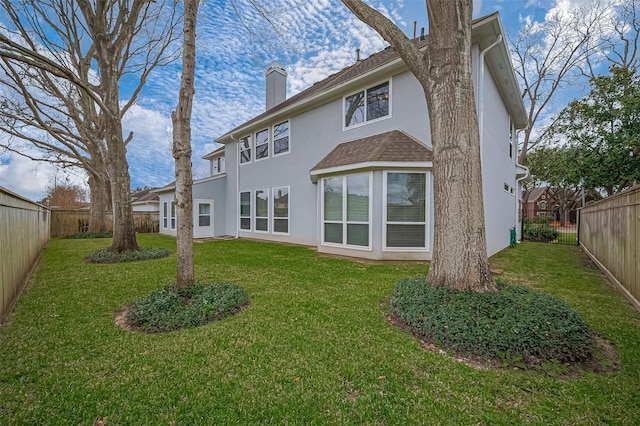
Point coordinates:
[[106, 255], [519, 321], [89, 235], [172, 308]]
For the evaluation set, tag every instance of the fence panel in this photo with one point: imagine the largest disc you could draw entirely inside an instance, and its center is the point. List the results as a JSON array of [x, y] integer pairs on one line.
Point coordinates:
[[609, 231], [546, 228], [24, 231], [71, 222]]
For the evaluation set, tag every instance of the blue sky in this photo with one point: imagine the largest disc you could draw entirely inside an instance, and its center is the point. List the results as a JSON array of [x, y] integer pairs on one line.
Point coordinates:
[[320, 38]]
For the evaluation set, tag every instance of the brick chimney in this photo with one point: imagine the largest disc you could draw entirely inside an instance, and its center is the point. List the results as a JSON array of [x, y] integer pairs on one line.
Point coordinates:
[[276, 80]]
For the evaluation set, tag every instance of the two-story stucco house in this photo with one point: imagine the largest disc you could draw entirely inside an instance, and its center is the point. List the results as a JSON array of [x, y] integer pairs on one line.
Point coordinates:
[[346, 164]]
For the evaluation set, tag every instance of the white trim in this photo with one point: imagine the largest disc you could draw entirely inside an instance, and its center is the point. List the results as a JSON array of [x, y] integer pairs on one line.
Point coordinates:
[[344, 220], [365, 89], [250, 217], [172, 215], [251, 149], [165, 215], [273, 139], [314, 174], [210, 230], [427, 213], [255, 213], [268, 144], [273, 211]]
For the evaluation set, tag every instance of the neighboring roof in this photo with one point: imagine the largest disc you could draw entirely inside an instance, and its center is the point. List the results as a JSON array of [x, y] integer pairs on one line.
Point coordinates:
[[486, 30], [145, 195], [395, 146], [218, 152], [535, 193]]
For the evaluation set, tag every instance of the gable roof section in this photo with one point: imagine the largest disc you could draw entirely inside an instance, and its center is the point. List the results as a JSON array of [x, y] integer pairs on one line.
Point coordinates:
[[486, 30], [321, 88], [395, 146]]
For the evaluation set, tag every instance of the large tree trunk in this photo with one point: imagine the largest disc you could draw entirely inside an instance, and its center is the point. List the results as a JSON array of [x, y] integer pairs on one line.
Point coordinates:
[[460, 249], [100, 200], [181, 119], [124, 230]]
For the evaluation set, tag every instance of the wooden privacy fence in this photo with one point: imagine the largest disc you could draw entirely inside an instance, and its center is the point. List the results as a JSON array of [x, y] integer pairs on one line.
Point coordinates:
[[24, 231], [71, 222], [608, 233]]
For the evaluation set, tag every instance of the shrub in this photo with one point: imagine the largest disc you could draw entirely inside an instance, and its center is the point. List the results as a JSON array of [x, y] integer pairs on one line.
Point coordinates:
[[86, 235], [524, 323], [106, 255], [540, 233], [172, 308], [541, 218]]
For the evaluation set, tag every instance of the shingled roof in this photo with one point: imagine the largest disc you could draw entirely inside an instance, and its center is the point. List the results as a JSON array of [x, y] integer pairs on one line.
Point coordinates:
[[393, 146]]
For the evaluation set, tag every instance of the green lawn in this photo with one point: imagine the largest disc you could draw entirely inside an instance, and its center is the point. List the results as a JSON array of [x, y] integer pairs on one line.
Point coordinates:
[[312, 348]]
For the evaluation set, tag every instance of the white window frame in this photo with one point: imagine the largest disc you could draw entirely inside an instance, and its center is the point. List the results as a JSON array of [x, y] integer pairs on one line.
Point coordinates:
[[273, 138], [508, 189], [427, 213], [273, 210], [250, 149], [267, 143], [250, 216], [173, 214], [366, 121], [344, 220], [255, 212], [199, 215], [165, 215]]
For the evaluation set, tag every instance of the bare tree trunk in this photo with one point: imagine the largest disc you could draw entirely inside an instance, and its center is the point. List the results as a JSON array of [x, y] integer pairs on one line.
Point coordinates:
[[460, 249], [181, 119], [100, 200], [444, 71]]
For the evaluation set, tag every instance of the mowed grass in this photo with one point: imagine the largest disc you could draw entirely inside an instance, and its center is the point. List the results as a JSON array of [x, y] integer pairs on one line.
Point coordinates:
[[313, 347]]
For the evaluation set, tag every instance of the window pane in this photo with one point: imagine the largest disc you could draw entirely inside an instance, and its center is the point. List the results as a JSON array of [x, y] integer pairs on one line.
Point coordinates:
[[378, 101], [281, 202], [333, 233], [204, 208], [245, 223], [358, 198], [245, 149], [262, 224], [281, 145], [262, 144], [406, 197], [358, 235], [281, 138], [204, 220], [281, 225], [406, 236], [333, 198], [354, 109], [262, 204], [245, 204]]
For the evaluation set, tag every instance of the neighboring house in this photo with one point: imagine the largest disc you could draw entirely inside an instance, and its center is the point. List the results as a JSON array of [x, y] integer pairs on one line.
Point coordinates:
[[346, 165], [559, 203], [145, 201]]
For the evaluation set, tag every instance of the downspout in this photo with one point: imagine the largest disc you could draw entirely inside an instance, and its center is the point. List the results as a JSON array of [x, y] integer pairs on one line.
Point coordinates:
[[237, 195], [519, 180], [480, 103]]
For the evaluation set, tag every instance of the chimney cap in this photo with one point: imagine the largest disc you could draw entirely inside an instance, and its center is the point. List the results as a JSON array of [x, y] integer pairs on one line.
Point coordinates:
[[275, 67]]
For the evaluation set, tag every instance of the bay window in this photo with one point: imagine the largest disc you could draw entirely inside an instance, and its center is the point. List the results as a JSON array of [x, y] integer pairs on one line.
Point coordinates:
[[405, 210]]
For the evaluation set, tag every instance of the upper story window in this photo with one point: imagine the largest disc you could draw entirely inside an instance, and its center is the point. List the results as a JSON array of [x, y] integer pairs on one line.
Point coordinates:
[[245, 149], [281, 138], [262, 144], [366, 105], [217, 165]]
